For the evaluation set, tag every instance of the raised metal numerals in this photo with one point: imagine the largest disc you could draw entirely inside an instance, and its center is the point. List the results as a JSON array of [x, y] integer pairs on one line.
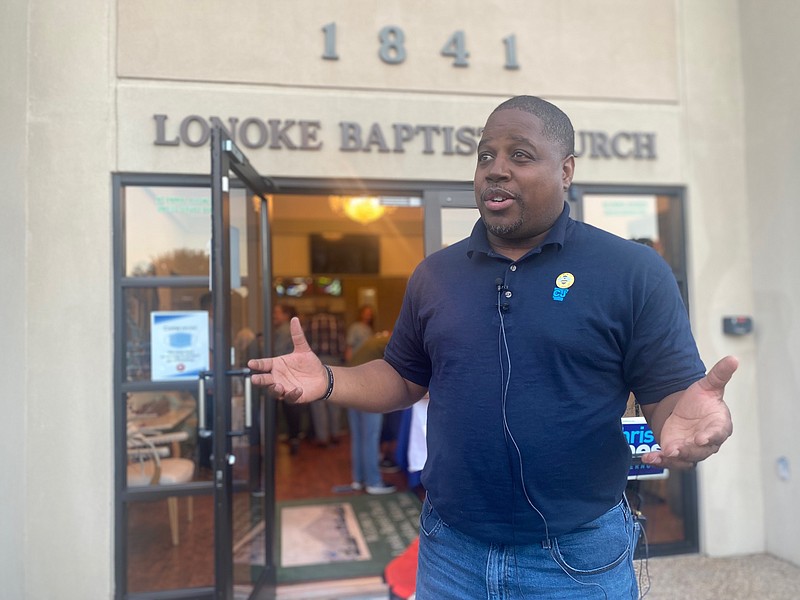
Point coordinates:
[[392, 48]]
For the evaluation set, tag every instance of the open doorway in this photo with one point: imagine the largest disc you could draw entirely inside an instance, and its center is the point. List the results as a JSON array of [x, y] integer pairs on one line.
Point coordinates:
[[330, 255]]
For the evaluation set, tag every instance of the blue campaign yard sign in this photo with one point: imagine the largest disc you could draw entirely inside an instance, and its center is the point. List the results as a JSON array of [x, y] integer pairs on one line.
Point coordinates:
[[641, 439]]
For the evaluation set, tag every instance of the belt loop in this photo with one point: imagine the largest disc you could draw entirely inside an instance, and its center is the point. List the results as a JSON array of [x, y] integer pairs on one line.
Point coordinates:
[[628, 504]]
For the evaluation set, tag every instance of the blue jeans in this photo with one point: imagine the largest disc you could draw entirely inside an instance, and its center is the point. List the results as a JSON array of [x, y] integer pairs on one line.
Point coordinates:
[[594, 561], [365, 434]]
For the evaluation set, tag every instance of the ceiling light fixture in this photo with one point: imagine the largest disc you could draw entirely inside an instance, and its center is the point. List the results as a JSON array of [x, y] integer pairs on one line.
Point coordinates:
[[361, 209]]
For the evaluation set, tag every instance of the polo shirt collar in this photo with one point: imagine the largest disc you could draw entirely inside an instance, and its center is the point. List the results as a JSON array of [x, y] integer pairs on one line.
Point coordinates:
[[479, 242]]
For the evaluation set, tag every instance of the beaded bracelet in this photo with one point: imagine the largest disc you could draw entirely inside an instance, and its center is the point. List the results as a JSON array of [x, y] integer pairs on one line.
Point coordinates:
[[329, 391]]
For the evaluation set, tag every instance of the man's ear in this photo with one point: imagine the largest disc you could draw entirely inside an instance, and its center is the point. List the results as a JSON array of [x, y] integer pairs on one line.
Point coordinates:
[[567, 171]]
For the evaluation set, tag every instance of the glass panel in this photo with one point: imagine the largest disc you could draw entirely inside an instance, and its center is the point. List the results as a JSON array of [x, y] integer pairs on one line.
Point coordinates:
[[247, 444], [244, 235], [662, 503], [628, 216], [162, 441], [249, 539], [167, 231], [457, 224], [155, 560], [671, 235], [654, 220], [140, 303]]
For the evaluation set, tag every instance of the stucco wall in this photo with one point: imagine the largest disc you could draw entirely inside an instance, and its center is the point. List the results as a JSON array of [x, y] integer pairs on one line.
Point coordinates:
[[13, 343], [70, 125], [731, 506], [281, 43], [771, 62], [613, 67]]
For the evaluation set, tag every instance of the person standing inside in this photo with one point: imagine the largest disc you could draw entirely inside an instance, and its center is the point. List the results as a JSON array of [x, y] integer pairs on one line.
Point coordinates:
[[530, 335], [360, 331], [365, 427], [282, 344], [326, 334]]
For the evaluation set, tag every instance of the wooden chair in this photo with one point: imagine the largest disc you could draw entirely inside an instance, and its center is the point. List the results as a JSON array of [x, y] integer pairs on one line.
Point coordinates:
[[150, 463]]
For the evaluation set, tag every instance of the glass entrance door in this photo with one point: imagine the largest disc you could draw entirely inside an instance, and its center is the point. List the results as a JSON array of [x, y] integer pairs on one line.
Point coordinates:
[[653, 216], [194, 443], [238, 418]]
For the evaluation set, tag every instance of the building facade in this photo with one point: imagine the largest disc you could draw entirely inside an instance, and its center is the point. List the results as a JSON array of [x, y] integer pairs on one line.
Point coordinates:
[[695, 98]]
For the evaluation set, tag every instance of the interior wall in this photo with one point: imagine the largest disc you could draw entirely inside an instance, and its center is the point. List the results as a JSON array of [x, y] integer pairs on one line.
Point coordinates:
[[771, 64]]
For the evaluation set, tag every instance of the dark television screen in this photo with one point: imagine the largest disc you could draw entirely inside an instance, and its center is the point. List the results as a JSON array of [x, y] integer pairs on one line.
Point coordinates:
[[347, 254]]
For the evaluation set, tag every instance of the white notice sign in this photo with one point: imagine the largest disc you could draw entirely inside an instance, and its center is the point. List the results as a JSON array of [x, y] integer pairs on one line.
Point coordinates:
[[178, 344]]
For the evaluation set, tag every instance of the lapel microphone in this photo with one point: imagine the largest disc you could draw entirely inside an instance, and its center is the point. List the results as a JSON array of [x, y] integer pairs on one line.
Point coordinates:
[[502, 290]]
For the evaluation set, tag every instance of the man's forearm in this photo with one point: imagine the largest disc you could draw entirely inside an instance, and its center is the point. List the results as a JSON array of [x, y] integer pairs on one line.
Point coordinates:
[[657, 413], [374, 386]]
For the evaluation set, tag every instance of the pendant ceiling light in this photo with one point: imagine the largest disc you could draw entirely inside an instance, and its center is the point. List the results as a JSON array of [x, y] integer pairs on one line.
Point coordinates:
[[361, 209]]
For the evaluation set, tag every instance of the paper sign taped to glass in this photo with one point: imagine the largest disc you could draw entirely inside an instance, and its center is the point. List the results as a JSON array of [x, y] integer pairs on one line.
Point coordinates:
[[641, 439], [179, 344]]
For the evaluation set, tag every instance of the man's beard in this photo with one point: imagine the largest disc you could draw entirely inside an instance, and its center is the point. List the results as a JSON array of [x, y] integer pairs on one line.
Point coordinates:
[[504, 230]]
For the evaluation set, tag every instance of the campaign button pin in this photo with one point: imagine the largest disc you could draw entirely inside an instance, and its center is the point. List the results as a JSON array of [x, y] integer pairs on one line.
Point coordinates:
[[565, 280]]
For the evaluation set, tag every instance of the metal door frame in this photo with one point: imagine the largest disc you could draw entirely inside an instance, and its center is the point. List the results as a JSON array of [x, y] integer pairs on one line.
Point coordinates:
[[226, 158]]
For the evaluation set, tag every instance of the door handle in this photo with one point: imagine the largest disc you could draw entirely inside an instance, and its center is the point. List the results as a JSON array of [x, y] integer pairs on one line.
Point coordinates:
[[248, 400], [202, 430], [246, 374]]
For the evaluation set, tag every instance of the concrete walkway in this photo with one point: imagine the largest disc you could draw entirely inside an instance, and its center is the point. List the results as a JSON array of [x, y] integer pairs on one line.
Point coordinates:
[[684, 577], [697, 577]]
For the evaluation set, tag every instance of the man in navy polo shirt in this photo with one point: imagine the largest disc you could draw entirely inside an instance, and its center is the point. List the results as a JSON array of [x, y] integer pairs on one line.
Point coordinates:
[[529, 336]]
